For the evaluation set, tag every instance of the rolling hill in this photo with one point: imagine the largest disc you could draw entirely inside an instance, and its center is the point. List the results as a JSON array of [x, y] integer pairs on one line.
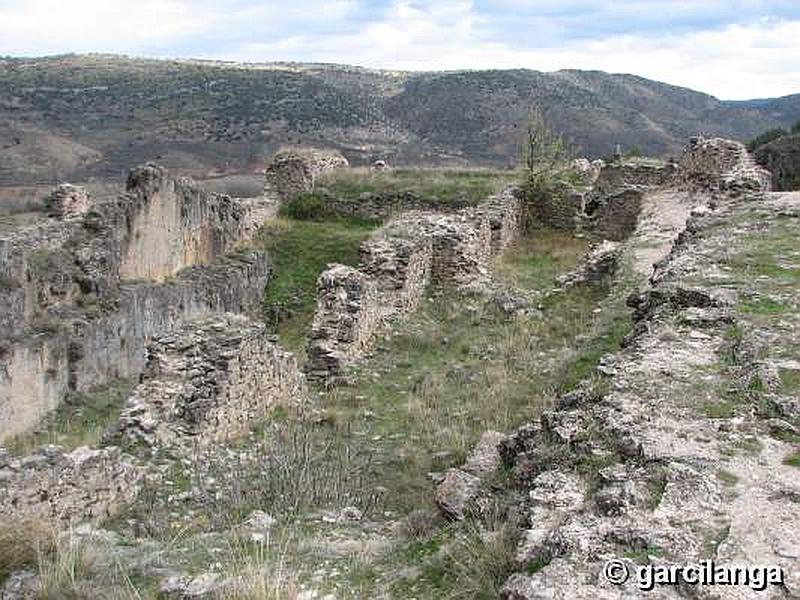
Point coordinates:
[[82, 116]]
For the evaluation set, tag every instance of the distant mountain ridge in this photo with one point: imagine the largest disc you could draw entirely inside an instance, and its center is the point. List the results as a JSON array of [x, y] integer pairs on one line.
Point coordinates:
[[80, 116]]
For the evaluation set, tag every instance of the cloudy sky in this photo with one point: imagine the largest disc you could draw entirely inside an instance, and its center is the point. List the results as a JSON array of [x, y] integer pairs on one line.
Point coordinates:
[[732, 49]]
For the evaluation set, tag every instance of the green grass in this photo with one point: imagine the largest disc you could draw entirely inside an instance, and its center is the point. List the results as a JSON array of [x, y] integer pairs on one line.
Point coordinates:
[[763, 306], [535, 261], [81, 421], [444, 185], [790, 380], [721, 409], [793, 460], [727, 478], [300, 251]]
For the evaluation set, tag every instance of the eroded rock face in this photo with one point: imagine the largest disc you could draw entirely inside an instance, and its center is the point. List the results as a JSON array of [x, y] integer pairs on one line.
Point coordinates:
[[85, 485], [294, 171], [210, 381], [70, 319]]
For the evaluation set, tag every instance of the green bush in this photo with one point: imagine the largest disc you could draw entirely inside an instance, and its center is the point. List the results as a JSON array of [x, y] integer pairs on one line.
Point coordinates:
[[765, 138], [308, 206], [796, 127]]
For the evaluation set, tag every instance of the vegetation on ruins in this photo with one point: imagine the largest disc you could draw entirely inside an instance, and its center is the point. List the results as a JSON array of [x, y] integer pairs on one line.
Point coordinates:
[[546, 169]]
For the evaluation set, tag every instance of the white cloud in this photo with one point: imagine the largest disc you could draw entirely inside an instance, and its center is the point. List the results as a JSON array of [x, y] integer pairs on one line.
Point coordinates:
[[735, 62], [756, 58]]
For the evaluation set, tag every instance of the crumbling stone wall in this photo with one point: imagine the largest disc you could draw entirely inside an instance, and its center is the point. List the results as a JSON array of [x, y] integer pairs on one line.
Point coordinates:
[[294, 171], [68, 201], [69, 320], [85, 485], [722, 165], [381, 206], [612, 216], [400, 266], [176, 224], [348, 313], [397, 264], [209, 381]]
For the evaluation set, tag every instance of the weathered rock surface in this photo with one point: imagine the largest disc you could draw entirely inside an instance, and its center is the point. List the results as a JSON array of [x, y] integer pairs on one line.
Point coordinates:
[[690, 466], [82, 292], [209, 381], [85, 485], [294, 170], [599, 265]]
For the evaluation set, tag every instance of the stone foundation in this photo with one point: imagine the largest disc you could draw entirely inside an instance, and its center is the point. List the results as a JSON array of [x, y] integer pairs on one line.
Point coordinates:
[[210, 381], [397, 264], [84, 485]]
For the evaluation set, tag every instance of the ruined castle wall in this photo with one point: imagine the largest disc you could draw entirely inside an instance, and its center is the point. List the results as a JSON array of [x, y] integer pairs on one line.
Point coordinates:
[[349, 313], [614, 216], [34, 378], [401, 268], [70, 324], [176, 225], [381, 206], [397, 264], [614, 177], [294, 171], [722, 165], [113, 346], [208, 381], [84, 485]]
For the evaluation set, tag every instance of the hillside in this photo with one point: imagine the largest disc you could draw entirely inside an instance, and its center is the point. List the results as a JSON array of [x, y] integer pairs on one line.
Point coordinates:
[[782, 158], [75, 117]]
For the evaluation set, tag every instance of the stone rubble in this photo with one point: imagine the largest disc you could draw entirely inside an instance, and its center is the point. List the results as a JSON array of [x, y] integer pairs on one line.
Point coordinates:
[[85, 485], [83, 290], [631, 465]]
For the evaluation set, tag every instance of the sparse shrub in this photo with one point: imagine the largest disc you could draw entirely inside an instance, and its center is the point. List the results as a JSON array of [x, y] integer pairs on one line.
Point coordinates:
[[21, 543], [796, 127], [546, 164]]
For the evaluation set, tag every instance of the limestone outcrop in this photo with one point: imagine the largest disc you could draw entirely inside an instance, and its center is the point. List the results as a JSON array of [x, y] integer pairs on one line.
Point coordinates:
[[293, 171], [397, 264], [208, 382], [83, 290]]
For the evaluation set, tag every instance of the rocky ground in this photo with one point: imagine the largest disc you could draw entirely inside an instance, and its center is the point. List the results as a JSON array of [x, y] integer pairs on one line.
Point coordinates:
[[661, 427], [685, 447]]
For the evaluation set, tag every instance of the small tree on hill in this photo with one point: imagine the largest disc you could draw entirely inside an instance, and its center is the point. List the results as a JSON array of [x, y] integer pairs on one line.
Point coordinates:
[[546, 163]]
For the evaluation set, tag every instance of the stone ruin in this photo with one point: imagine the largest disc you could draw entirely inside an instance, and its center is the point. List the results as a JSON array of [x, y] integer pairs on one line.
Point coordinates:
[[720, 165], [67, 488], [208, 382], [294, 171], [81, 296], [67, 201], [608, 204], [139, 285], [398, 263]]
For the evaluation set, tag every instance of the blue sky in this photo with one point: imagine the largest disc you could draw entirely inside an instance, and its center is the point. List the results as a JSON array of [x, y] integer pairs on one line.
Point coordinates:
[[734, 50]]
